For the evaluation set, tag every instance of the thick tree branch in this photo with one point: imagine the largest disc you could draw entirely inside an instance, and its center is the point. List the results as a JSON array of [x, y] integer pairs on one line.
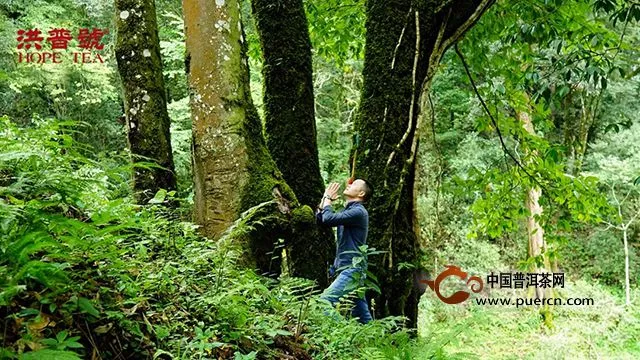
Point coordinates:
[[465, 15]]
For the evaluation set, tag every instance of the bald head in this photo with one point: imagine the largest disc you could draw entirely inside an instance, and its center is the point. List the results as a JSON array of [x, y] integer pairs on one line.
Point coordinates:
[[359, 190]]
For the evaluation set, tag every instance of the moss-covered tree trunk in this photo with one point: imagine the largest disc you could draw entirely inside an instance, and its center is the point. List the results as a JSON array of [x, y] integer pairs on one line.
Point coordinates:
[[140, 67], [588, 113], [579, 121], [233, 170], [290, 126], [405, 42]]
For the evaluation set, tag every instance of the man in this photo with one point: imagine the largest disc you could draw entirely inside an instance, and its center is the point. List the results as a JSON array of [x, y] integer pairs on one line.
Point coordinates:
[[353, 225]]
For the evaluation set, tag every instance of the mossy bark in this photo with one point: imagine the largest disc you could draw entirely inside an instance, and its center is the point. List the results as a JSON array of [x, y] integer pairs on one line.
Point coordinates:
[[405, 42], [290, 121], [140, 67], [288, 95], [233, 170]]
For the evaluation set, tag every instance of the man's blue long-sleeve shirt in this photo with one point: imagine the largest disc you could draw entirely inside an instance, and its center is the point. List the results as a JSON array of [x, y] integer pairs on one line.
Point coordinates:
[[353, 225]]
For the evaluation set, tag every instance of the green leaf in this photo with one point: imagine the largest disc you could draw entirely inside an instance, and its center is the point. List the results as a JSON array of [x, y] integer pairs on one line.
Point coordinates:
[[276, 332], [249, 356], [86, 306], [159, 197], [48, 354], [62, 335], [564, 90], [160, 352], [356, 260], [612, 127]]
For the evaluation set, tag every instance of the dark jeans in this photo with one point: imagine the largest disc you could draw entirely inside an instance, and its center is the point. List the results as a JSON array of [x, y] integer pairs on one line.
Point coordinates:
[[337, 289]]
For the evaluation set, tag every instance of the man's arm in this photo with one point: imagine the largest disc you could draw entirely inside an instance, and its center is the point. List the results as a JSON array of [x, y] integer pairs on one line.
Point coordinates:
[[329, 195], [350, 216]]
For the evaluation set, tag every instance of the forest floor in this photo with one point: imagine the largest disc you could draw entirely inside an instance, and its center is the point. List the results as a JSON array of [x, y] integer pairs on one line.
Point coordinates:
[[605, 330]]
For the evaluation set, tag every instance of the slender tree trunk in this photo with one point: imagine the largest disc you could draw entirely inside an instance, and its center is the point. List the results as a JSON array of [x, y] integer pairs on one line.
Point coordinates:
[[233, 170], [534, 231], [578, 124], [569, 120], [537, 244], [626, 266], [405, 42], [290, 126], [587, 119], [140, 67]]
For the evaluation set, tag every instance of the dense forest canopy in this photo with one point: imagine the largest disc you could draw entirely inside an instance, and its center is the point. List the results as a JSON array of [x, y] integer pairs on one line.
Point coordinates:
[[162, 161]]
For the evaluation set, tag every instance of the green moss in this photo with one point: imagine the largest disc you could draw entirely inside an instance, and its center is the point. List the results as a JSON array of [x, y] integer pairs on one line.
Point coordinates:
[[140, 67], [303, 215], [288, 95], [383, 120], [259, 179], [310, 247], [290, 125]]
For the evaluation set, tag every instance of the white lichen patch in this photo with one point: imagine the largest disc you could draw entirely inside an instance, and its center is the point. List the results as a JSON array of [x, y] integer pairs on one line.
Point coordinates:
[[219, 3], [132, 125], [146, 53], [146, 97], [133, 53], [226, 58], [133, 111], [221, 24], [124, 14]]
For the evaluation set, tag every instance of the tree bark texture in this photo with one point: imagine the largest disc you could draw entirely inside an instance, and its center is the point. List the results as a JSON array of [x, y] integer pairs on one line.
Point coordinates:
[[290, 120], [404, 43], [140, 67], [535, 232], [233, 170], [579, 122], [288, 95]]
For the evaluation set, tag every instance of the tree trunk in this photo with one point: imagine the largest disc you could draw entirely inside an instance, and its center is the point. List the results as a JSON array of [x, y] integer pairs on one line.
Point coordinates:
[[579, 121], [232, 168], [288, 95], [587, 119], [626, 265], [140, 66], [290, 120], [405, 42], [535, 233]]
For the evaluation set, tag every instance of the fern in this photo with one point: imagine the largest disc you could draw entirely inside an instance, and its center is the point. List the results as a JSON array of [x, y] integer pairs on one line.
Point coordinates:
[[47, 354]]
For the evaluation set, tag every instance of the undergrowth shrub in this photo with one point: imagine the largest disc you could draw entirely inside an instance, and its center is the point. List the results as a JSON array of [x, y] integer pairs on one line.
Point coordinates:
[[85, 273], [600, 255]]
